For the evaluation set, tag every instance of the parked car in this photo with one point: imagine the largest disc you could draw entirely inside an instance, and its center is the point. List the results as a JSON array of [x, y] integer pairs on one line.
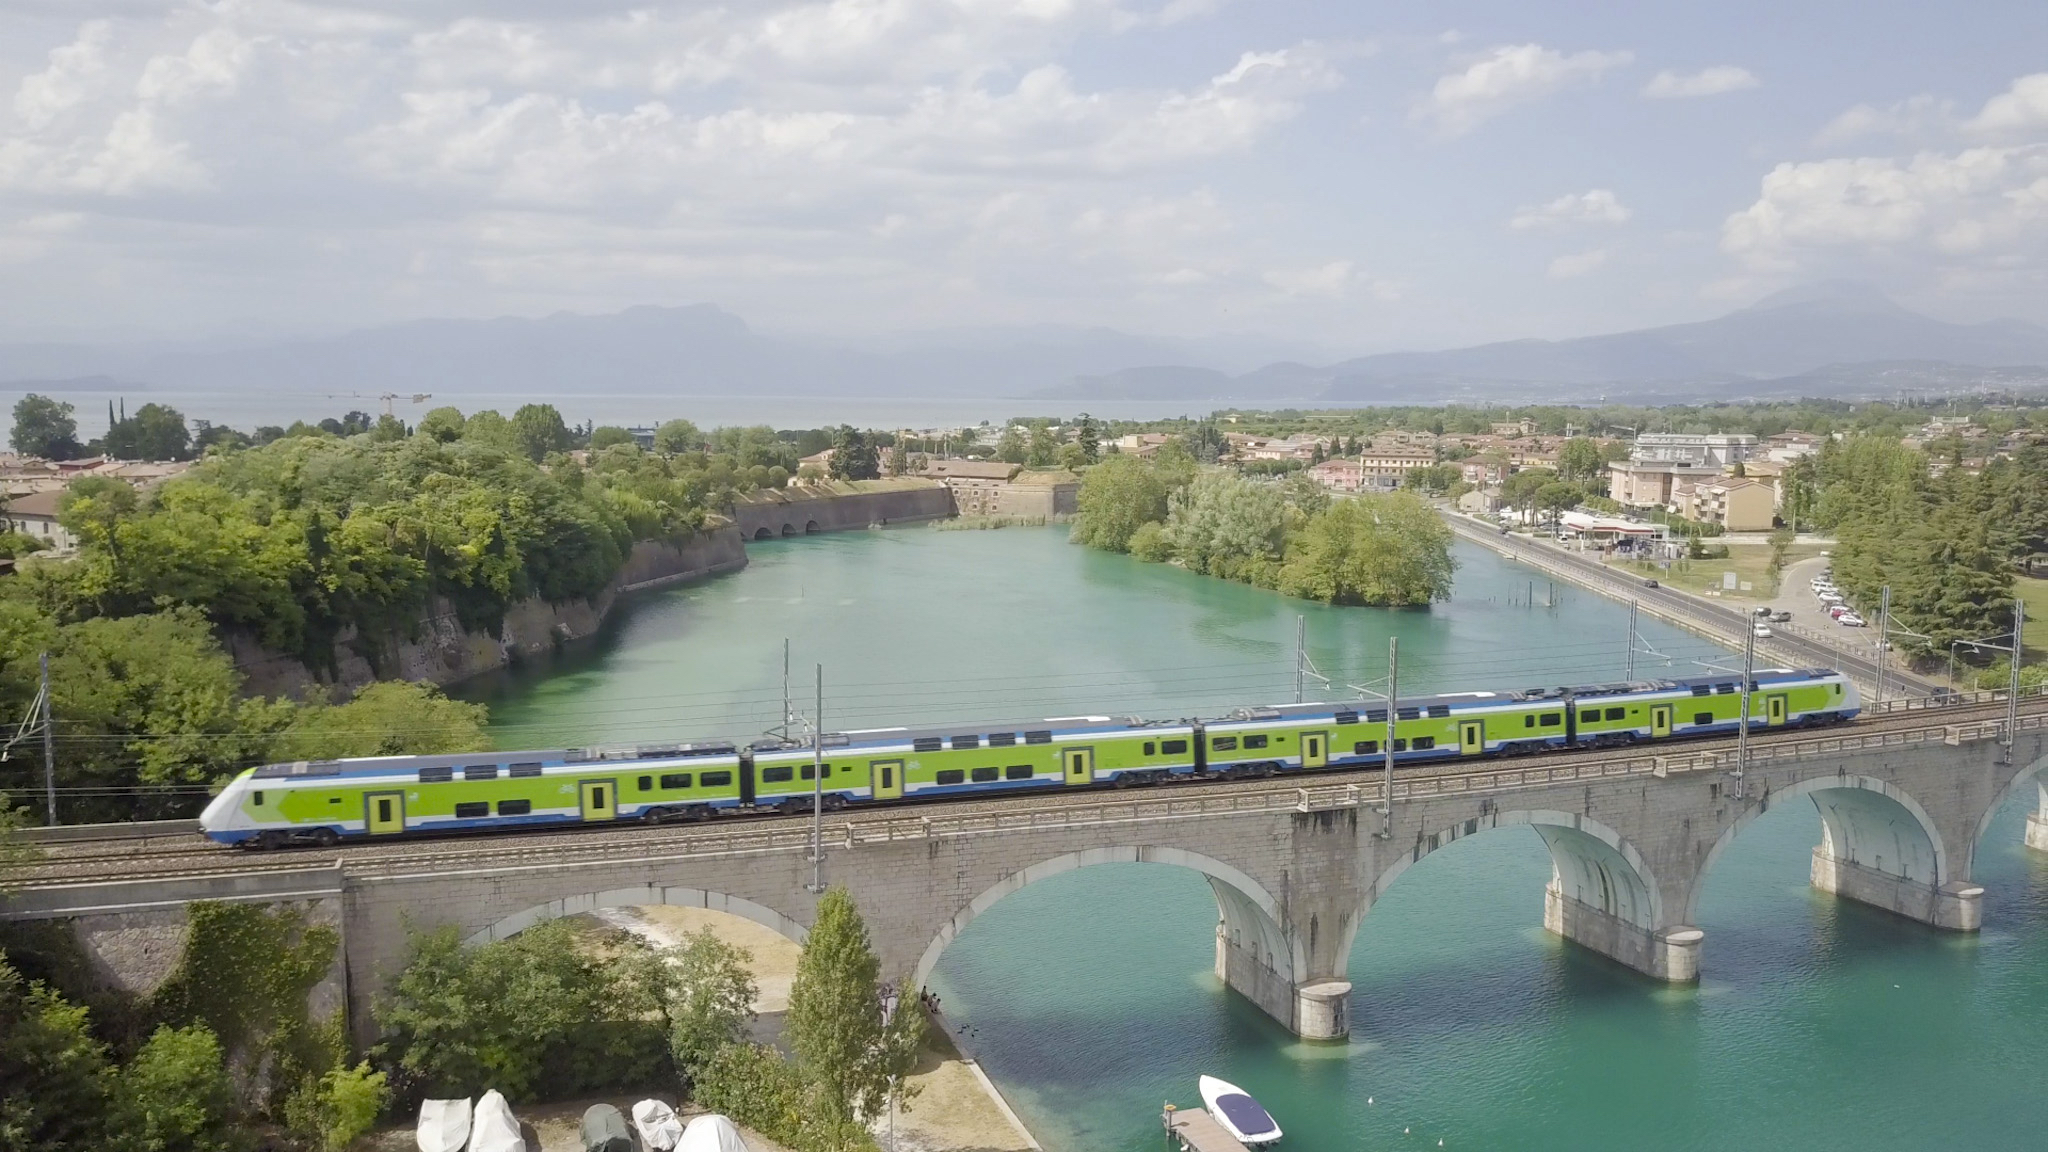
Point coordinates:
[[1781, 617], [1837, 611], [1763, 610], [1851, 620]]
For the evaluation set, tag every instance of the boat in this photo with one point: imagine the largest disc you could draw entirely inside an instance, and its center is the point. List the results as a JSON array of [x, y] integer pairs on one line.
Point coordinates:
[[444, 1125], [493, 1128], [712, 1133], [657, 1124], [604, 1130], [1239, 1114]]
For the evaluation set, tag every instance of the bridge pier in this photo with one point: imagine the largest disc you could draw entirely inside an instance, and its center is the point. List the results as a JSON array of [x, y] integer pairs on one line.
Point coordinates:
[[2037, 824], [1314, 1010], [1957, 905], [1668, 954]]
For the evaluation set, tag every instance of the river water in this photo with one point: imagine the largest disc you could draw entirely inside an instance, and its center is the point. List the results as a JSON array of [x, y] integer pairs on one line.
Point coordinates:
[[1819, 1025]]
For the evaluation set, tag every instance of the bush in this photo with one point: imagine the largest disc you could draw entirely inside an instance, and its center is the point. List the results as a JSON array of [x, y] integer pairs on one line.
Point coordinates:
[[336, 1108], [175, 1095], [1149, 543]]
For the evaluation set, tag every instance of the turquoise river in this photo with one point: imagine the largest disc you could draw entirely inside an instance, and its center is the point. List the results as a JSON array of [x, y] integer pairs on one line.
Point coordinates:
[[1819, 1026]]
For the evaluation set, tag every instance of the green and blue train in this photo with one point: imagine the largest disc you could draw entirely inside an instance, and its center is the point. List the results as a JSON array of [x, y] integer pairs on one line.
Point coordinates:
[[329, 801]]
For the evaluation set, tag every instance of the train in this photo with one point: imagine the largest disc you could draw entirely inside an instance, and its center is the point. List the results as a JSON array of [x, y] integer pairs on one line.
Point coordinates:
[[328, 802]]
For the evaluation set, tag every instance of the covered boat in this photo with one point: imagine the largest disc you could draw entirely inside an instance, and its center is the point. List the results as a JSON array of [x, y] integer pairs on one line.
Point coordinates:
[[657, 1124], [604, 1130], [1238, 1113], [492, 1127], [713, 1133], [444, 1125]]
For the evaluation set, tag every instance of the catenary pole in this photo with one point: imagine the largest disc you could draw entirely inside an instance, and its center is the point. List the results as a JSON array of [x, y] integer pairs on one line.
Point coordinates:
[[1884, 637], [49, 743], [1742, 733], [2012, 691], [818, 788], [1393, 697], [1631, 673]]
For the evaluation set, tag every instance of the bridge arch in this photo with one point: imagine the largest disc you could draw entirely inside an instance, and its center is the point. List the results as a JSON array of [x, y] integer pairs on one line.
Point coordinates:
[[2035, 773], [810, 527], [1248, 912], [1864, 821], [762, 534], [631, 897], [789, 529], [1590, 863]]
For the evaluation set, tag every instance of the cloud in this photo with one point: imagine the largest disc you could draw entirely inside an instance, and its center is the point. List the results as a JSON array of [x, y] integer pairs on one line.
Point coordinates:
[[1669, 85], [1324, 280], [1598, 206], [1916, 118], [1577, 264], [73, 68], [2022, 108], [1507, 77]]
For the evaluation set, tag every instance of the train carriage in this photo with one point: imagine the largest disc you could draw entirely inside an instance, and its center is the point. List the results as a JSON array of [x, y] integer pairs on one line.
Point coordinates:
[[327, 801]]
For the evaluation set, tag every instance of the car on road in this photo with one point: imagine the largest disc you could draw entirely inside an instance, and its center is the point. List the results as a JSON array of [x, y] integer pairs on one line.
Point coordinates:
[[1761, 630], [1850, 620], [1781, 617], [1649, 584], [1762, 610]]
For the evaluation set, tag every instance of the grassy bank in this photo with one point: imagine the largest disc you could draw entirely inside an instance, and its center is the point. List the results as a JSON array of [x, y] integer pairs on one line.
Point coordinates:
[[1749, 562]]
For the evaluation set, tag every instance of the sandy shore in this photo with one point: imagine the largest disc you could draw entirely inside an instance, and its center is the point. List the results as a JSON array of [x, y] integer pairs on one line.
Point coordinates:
[[553, 1127]]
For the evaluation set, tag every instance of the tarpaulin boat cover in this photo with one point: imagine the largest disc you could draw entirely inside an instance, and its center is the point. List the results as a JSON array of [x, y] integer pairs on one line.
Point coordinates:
[[493, 1128], [659, 1129], [444, 1125], [713, 1133], [604, 1130]]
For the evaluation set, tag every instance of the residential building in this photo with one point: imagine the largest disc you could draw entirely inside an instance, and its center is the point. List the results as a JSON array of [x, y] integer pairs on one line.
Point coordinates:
[[1693, 450], [1340, 475], [1736, 503], [1387, 467], [36, 515], [1522, 427], [1786, 447], [1641, 485]]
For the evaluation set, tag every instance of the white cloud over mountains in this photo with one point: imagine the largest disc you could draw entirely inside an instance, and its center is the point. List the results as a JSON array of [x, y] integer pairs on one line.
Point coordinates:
[[1507, 77], [1598, 206]]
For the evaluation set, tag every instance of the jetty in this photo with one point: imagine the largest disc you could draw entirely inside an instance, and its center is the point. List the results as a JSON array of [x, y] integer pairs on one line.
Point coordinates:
[[1194, 1130]]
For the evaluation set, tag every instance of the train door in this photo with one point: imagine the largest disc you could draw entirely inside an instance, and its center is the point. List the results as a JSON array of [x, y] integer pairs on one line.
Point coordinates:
[[1471, 737], [1315, 749], [1774, 710], [887, 778], [600, 800], [1080, 765], [1660, 720], [384, 812], [747, 782]]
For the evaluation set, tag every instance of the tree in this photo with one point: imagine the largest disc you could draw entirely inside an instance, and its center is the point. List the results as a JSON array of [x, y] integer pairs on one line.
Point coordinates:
[[854, 456], [1228, 526], [155, 432], [1383, 550], [387, 718], [1044, 448], [1117, 497], [1089, 438], [338, 1107], [835, 1023], [44, 427], [54, 1071], [538, 430], [1010, 446], [899, 460], [607, 435], [677, 436], [711, 1001], [442, 424], [1556, 497], [175, 1095], [1580, 459]]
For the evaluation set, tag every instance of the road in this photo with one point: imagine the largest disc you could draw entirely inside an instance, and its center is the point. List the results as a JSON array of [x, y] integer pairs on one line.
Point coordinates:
[[1804, 644]]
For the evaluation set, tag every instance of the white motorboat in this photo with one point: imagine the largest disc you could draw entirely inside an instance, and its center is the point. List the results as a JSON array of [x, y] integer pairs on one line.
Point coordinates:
[[656, 1122], [444, 1125], [492, 1126], [1239, 1114]]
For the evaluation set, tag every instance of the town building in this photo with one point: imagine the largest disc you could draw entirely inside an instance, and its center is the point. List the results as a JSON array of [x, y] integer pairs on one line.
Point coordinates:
[[1695, 450], [1340, 475], [36, 515], [1736, 503], [1385, 468], [1014, 492]]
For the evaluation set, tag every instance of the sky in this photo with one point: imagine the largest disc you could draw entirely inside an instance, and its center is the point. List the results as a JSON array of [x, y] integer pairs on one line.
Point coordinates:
[[1346, 177]]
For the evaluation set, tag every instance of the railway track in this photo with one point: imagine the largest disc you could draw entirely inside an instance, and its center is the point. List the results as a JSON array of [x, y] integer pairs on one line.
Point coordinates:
[[118, 857]]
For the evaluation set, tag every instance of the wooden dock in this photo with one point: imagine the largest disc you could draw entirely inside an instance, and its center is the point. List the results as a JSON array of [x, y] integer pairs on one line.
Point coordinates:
[[1194, 1130]]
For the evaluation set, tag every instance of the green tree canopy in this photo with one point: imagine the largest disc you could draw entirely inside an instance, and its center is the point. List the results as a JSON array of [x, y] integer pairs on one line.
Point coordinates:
[[1117, 497], [155, 432], [54, 1078], [711, 1001], [606, 435], [676, 436], [835, 1023], [45, 427], [538, 430]]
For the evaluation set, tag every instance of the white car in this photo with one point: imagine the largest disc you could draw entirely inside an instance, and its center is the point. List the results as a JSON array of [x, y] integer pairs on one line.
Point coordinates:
[[1850, 620], [1761, 631]]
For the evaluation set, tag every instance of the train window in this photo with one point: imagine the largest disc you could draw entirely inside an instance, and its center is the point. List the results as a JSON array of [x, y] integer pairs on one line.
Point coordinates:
[[1042, 736], [1223, 744], [715, 779], [1702, 690], [1365, 747], [259, 799], [1376, 716], [1151, 749], [472, 811], [926, 744], [1174, 747], [527, 769], [647, 783], [675, 780], [436, 775], [1529, 721], [1018, 772], [1703, 718], [1347, 717], [952, 776], [1589, 716], [1002, 739], [1422, 742], [1255, 741], [1408, 713], [1617, 713], [1550, 718], [984, 775], [1725, 689], [480, 772], [960, 742], [1400, 745], [514, 807], [776, 775], [807, 772], [1440, 711]]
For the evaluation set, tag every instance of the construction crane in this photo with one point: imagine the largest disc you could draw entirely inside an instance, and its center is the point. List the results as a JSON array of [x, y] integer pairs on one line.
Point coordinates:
[[387, 397]]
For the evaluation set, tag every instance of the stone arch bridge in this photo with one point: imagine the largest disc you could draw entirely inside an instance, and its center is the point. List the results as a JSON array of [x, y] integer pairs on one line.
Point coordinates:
[[1295, 867]]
